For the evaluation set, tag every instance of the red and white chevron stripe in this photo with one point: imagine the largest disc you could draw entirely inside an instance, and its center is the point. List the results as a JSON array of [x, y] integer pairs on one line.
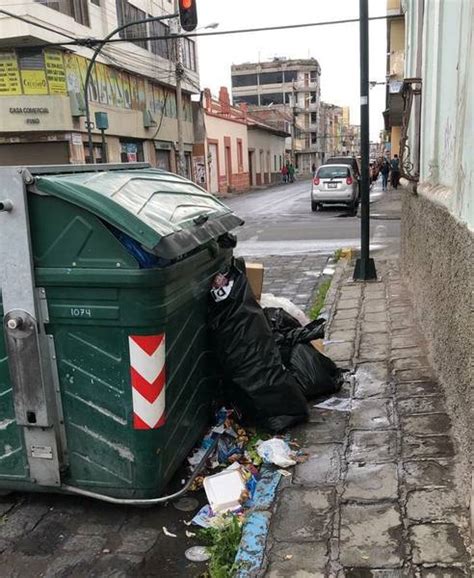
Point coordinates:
[[148, 376]]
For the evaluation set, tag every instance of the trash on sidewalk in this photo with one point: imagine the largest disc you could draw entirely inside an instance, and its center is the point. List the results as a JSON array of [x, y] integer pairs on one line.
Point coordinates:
[[225, 490], [335, 403], [276, 451], [166, 532], [316, 373], [197, 554], [270, 301], [255, 378]]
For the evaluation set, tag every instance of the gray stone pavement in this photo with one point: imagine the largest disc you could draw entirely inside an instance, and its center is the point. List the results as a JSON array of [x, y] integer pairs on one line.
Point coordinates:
[[295, 277], [377, 496]]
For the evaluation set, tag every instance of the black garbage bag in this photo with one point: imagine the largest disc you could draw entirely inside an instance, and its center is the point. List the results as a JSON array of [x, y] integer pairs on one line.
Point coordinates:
[[254, 377], [316, 374], [287, 331]]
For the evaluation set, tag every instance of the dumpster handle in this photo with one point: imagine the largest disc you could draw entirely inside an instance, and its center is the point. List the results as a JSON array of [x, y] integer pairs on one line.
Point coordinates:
[[150, 501]]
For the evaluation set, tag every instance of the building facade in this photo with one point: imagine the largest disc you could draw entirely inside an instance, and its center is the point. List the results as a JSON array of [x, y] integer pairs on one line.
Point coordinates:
[[438, 205], [42, 101], [395, 75], [294, 86], [234, 150]]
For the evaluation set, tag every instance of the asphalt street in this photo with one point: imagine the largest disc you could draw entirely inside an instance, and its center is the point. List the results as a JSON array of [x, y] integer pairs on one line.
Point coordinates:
[[279, 221]]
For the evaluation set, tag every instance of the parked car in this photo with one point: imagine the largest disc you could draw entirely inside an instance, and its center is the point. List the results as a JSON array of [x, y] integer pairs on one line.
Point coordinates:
[[345, 160], [353, 162], [335, 185]]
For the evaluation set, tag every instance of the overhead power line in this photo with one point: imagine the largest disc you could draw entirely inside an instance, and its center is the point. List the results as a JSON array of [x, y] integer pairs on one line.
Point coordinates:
[[90, 42], [44, 27]]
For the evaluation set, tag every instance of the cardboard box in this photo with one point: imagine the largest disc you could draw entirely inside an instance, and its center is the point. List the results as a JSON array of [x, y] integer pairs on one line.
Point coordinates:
[[318, 344], [255, 277]]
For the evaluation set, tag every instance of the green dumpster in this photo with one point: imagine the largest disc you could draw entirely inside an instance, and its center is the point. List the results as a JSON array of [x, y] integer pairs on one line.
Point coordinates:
[[106, 379]]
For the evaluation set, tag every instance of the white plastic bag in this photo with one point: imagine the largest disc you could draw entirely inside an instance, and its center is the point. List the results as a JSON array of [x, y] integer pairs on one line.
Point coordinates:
[[276, 451], [269, 300]]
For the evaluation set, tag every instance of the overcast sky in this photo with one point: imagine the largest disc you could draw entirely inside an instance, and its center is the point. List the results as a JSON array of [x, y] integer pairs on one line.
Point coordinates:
[[336, 47]]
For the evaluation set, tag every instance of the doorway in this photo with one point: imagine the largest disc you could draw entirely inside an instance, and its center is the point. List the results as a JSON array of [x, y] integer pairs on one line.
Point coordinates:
[[252, 168], [213, 169]]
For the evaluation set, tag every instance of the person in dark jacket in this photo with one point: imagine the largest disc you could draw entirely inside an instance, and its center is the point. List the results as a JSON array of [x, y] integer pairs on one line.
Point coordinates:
[[385, 170], [395, 170]]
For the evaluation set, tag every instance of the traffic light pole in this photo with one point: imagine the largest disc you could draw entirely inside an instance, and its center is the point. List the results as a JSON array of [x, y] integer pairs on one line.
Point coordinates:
[[365, 266], [179, 71]]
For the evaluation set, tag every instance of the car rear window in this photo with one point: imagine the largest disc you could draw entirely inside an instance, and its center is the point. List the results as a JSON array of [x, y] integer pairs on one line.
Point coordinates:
[[333, 172]]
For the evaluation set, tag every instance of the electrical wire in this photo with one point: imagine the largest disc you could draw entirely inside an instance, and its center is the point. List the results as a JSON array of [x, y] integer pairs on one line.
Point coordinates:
[[23, 19], [89, 42]]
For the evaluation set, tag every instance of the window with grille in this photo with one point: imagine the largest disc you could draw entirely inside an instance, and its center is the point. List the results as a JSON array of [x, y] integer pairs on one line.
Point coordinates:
[[76, 9], [127, 13], [162, 47], [189, 54]]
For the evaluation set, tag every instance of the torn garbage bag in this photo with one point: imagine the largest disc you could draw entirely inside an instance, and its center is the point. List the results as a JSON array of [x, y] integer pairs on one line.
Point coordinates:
[[316, 374], [254, 377], [287, 331]]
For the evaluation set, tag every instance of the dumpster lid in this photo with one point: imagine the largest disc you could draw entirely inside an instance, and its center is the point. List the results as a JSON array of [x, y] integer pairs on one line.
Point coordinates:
[[167, 214]]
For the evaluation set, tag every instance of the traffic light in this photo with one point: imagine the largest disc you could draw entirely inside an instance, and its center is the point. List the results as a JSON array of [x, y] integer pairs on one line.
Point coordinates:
[[188, 14]]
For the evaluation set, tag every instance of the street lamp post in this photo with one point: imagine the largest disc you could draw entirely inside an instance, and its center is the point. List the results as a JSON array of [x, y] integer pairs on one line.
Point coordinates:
[[97, 50], [365, 266]]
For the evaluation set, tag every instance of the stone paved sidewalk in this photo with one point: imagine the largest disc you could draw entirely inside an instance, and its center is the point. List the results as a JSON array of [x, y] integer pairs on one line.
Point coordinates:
[[377, 496]]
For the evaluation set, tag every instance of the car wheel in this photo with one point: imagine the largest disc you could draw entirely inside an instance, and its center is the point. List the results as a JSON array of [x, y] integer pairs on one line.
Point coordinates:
[[315, 206]]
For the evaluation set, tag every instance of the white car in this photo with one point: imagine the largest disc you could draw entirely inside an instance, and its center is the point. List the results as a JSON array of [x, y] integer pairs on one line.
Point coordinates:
[[335, 185]]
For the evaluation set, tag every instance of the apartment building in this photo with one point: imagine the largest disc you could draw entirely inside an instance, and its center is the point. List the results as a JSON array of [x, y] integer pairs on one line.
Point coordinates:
[[292, 86], [42, 104]]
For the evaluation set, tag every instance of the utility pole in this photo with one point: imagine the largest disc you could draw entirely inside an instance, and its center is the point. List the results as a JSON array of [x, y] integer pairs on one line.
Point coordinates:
[[179, 72], [365, 266]]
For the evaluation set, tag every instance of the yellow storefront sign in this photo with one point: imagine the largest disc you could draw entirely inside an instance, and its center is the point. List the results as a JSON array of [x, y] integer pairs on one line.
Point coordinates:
[[34, 82], [10, 83], [55, 73]]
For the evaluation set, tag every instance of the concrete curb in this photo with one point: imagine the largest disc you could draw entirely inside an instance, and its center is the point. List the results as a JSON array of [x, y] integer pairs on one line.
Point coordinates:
[[251, 552]]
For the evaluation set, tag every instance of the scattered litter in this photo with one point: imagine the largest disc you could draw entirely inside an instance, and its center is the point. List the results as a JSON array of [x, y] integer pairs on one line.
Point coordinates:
[[190, 534], [276, 451], [197, 554], [335, 403], [288, 556], [168, 533], [186, 523], [204, 517], [186, 504], [224, 490], [284, 473], [105, 551], [329, 271]]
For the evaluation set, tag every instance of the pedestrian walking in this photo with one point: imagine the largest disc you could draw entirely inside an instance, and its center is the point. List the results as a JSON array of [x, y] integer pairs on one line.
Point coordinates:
[[291, 172], [395, 170], [313, 169], [284, 173], [385, 170]]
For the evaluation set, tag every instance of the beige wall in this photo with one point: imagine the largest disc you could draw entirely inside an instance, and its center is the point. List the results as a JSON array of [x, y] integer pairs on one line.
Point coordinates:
[[270, 144], [217, 129], [55, 114]]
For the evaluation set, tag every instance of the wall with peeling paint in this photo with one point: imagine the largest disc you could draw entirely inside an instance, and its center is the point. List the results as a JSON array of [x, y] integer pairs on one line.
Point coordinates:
[[437, 245]]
